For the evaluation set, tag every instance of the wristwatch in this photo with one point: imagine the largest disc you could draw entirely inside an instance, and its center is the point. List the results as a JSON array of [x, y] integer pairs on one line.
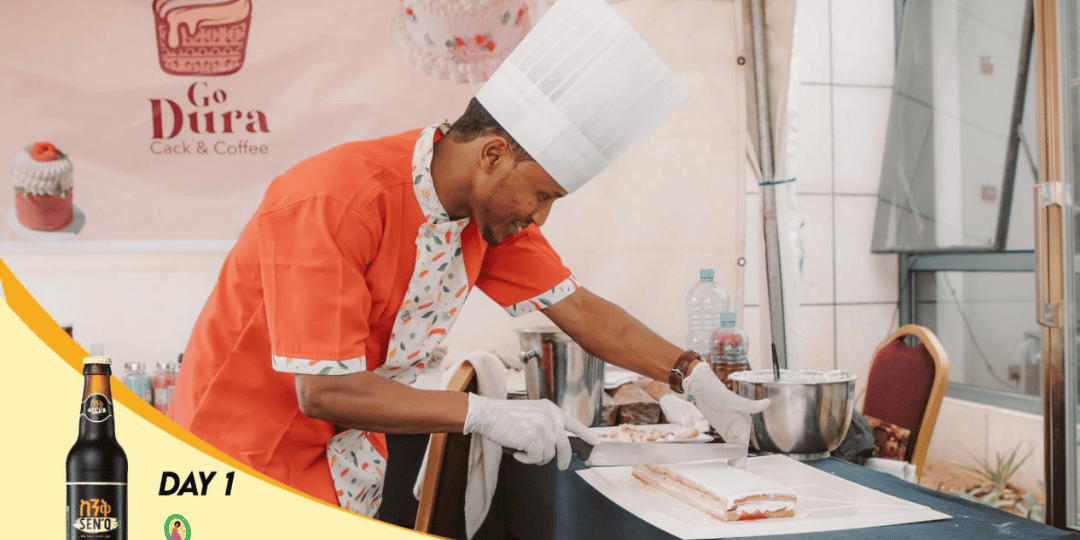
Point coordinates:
[[681, 371]]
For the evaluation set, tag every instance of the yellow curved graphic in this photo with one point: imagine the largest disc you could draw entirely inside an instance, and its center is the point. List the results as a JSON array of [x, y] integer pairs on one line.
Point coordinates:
[[46, 426]]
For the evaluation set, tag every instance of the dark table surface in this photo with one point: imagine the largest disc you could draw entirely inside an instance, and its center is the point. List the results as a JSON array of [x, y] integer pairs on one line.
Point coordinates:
[[541, 503]]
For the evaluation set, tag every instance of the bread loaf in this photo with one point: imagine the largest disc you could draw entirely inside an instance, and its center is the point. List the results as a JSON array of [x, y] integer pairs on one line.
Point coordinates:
[[609, 410], [656, 389], [635, 405]]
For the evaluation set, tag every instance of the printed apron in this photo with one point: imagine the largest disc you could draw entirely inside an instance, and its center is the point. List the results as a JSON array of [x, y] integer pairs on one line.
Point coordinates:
[[432, 301]]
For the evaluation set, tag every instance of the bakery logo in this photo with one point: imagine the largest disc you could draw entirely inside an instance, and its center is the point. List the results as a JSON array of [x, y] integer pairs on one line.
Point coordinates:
[[177, 528], [202, 37], [205, 110]]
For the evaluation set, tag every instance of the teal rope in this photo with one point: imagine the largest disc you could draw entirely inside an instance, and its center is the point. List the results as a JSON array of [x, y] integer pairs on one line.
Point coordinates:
[[775, 182]]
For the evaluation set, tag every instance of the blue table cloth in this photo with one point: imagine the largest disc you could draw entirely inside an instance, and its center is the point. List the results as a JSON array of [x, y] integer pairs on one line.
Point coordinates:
[[544, 503]]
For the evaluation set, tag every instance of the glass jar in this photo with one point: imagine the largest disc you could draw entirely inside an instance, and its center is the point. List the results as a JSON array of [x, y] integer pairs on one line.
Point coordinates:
[[164, 380], [728, 352], [136, 378]]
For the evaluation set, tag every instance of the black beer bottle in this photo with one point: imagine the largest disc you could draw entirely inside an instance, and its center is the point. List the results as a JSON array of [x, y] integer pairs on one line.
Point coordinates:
[[96, 465]]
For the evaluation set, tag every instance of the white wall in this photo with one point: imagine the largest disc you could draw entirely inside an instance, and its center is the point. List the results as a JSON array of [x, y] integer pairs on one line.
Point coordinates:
[[140, 306], [847, 295], [968, 432]]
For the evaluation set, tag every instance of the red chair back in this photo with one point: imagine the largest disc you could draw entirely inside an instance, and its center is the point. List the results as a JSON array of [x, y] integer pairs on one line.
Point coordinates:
[[898, 386], [906, 386]]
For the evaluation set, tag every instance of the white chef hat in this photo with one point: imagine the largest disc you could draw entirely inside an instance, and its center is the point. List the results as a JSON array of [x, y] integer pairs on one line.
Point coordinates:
[[579, 89]]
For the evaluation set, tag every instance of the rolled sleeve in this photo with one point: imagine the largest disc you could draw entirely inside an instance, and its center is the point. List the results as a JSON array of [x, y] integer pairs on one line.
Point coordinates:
[[544, 299], [310, 366], [524, 274], [317, 299]]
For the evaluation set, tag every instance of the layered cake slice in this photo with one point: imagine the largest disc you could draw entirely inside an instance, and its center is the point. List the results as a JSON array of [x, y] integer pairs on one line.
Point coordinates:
[[732, 493]]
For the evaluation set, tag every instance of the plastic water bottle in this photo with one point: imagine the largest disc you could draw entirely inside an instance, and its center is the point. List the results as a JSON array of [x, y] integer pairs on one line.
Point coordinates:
[[704, 304], [730, 346]]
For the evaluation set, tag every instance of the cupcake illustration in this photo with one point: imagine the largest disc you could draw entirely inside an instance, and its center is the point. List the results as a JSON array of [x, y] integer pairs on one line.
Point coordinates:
[[44, 192], [202, 37]]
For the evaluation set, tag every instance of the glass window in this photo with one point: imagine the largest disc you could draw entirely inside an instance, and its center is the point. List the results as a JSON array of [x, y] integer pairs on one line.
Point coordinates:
[[986, 322], [954, 178], [956, 191]]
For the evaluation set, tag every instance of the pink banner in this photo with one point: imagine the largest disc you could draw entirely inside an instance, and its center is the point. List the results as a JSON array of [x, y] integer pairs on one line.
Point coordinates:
[[174, 134]]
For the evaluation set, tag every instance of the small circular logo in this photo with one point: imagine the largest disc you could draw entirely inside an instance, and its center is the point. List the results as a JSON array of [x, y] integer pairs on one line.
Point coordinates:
[[177, 528]]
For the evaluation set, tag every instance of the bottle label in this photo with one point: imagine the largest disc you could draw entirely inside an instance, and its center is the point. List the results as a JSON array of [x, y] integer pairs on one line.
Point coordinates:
[[97, 510], [97, 408], [728, 319]]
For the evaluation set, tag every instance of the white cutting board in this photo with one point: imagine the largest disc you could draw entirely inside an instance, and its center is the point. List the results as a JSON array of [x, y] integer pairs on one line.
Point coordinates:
[[825, 503]]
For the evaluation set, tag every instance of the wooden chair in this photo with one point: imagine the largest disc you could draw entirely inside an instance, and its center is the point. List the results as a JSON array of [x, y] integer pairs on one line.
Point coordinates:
[[906, 384], [441, 509]]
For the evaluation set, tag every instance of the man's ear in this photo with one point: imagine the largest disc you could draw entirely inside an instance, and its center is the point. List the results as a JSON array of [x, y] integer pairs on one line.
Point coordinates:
[[493, 150]]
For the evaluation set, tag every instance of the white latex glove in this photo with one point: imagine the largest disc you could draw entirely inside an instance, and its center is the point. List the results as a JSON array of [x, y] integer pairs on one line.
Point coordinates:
[[534, 428], [728, 412]]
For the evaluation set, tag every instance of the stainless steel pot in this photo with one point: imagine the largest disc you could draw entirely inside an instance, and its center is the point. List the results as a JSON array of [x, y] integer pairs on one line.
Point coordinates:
[[809, 413], [557, 368]]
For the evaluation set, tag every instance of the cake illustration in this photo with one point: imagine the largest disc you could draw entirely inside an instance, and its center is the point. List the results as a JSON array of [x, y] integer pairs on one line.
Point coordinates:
[[43, 187], [460, 40], [723, 492], [202, 37]]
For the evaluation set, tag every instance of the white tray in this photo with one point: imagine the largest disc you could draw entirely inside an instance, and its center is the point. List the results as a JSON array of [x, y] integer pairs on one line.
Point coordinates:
[[825, 503]]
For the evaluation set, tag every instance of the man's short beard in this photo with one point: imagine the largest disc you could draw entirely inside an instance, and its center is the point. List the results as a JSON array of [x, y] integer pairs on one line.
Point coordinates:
[[487, 238]]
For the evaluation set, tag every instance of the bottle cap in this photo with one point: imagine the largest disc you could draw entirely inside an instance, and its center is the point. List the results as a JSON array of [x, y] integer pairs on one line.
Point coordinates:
[[706, 274], [134, 366], [97, 360]]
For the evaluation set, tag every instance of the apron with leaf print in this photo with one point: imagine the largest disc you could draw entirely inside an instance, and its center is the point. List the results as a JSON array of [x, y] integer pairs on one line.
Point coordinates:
[[436, 292]]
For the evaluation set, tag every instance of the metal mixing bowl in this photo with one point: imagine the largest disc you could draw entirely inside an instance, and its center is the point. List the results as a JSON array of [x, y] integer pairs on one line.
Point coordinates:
[[809, 414]]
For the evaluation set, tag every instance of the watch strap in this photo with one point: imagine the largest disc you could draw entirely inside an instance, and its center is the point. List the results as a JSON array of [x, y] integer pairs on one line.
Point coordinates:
[[681, 370]]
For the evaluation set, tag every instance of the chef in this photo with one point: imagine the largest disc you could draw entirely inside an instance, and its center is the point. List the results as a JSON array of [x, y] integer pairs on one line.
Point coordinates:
[[359, 259]]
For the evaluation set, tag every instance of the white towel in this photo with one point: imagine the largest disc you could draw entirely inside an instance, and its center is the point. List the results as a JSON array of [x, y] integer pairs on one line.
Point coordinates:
[[484, 455], [615, 376], [895, 467], [679, 411]]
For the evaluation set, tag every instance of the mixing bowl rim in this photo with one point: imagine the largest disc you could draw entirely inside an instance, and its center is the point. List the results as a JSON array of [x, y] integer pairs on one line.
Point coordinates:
[[742, 376]]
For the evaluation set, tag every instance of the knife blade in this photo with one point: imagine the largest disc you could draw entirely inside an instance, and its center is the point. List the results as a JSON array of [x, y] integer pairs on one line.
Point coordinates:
[[611, 454]]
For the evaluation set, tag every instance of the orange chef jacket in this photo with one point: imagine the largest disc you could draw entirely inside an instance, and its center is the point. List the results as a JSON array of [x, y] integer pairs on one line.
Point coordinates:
[[317, 277]]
